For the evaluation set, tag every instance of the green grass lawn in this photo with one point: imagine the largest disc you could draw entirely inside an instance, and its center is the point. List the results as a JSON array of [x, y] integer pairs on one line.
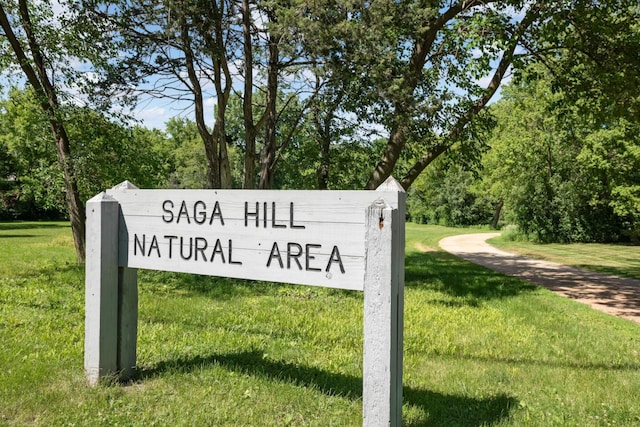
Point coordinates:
[[481, 349], [621, 260]]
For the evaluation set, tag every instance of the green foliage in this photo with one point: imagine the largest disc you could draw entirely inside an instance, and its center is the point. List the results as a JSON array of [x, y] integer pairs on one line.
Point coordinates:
[[446, 194], [105, 153], [298, 155], [36, 188], [600, 56], [564, 175], [113, 153], [187, 157]]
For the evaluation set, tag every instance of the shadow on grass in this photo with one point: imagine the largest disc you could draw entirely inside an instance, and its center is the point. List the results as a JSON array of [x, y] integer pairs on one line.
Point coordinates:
[[17, 236], [631, 272], [223, 288], [446, 273], [440, 409], [19, 225], [437, 271]]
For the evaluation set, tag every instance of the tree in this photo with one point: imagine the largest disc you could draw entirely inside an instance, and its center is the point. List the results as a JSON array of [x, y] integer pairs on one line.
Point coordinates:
[[191, 50], [40, 50], [563, 174], [447, 194], [112, 152], [38, 190], [598, 57], [177, 50], [426, 71], [415, 68]]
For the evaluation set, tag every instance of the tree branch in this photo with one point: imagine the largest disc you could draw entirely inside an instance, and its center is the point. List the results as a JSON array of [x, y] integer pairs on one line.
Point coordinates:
[[455, 133]]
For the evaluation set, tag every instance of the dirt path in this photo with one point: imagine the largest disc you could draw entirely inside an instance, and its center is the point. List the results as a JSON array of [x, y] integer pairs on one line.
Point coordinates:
[[611, 294]]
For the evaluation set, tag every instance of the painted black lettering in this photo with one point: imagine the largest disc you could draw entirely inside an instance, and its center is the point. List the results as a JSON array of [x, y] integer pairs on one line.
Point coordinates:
[[217, 249], [217, 212], [264, 214], [335, 257], [154, 245], [231, 261], [182, 248], [183, 212], [273, 217], [248, 214], [168, 217], [291, 224], [275, 253], [137, 244], [200, 246], [294, 255], [200, 216], [309, 257], [170, 238]]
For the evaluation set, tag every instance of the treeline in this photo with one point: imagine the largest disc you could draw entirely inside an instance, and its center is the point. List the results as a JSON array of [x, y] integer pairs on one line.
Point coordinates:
[[550, 167], [302, 90], [559, 168], [107, 151]]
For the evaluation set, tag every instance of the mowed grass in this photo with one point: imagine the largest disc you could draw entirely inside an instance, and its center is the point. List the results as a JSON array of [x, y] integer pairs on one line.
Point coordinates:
[[480, 348], [622, 260]]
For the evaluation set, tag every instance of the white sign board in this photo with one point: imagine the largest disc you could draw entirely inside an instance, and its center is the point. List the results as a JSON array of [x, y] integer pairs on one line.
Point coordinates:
[[302, 237], [340, 239]]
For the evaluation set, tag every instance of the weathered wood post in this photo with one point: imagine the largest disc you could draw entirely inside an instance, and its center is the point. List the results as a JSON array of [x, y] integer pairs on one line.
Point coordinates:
[[127, 321], [111, 296], [101, 288], [127, 300], [383, 312]]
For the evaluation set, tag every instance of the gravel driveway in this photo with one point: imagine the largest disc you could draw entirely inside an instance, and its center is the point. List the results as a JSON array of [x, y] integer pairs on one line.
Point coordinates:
[[611, 294]]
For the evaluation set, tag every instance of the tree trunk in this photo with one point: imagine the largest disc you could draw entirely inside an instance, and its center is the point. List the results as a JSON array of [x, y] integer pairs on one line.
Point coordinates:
[[385, 166], [75, 207], [325, 163], [269, 151], [221, 142], [211, 153], [217, 51], [323, 133], [208, 139], [250, 132], [496, 214], [48, 100]]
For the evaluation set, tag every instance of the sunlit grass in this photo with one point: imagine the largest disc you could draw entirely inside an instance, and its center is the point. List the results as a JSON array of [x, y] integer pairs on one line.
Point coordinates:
[[618, 259], [480, 348]]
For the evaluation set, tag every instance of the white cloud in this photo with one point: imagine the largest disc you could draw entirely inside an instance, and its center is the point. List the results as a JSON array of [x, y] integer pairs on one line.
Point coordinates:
[[153, 117]]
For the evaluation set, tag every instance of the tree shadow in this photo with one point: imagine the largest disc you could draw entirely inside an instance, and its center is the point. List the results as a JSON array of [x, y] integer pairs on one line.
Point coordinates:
[[224, 288], [441, 271], [439, 409], [630, 272], [19, 225]]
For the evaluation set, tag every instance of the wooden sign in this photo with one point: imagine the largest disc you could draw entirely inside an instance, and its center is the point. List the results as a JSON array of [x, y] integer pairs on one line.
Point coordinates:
[[301, 237], [341, 239]]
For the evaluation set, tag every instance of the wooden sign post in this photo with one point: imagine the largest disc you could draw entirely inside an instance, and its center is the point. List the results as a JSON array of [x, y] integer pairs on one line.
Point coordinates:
[[341, 239]]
